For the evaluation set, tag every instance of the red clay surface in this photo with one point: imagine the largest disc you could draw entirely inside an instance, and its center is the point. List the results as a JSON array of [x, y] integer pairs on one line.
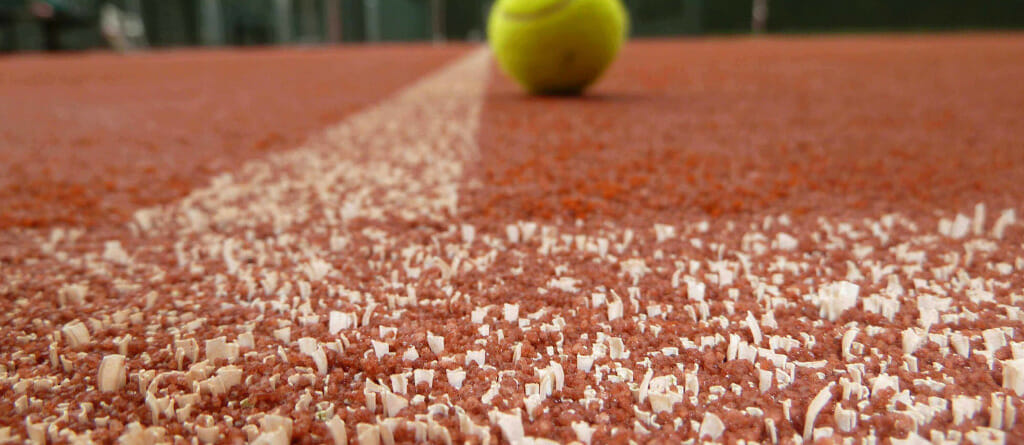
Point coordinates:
[[86, 139], [773, 164], [739, 127]]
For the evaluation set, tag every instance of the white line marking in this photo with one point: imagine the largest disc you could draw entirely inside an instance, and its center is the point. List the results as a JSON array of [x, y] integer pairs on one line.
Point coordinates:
[[404, 156]]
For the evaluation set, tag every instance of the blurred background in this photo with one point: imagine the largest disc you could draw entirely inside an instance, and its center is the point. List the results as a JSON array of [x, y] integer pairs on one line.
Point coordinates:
[[62, 25]]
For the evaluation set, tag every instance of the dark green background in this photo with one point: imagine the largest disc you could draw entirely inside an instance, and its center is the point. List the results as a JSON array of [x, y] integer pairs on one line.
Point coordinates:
[[251, 22]]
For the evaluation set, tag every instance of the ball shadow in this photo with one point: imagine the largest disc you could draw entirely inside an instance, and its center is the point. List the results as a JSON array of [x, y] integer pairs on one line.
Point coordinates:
[[600, 97]]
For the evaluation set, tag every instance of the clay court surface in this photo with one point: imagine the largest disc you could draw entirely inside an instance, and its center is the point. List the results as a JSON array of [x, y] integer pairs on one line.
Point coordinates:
[[770, 240]]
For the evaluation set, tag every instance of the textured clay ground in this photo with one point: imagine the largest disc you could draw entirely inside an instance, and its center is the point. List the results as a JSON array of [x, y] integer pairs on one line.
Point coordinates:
[[778, 240], [88, 139]]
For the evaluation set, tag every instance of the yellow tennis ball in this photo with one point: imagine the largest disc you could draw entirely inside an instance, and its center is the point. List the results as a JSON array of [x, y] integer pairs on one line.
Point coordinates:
[[556, 46]]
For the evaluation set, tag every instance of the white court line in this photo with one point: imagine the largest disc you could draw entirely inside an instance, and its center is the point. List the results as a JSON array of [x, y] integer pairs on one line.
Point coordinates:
[[411, 147], [401, 158]]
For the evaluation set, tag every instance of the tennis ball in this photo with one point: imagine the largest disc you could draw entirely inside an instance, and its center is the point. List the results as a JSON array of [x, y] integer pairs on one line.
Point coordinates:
[[556, 46]]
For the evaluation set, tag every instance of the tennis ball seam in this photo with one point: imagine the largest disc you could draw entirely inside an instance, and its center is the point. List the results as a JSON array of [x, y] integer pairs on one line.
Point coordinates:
[[538, 14]]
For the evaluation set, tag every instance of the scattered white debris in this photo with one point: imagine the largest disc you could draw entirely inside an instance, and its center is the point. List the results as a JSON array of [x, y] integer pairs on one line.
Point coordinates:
[[962, 345], [510, 312], [615, 310], [584, 431], [884, 381], [111, 373], [695, 290], [711, 427], [311, 347], [784, 241], [964, 408], [1006, 219], [913, 338], [616, 348], [423, 376], [636, 268], [835, 298], [316, 270], [664, 232], [755, 328], [113, 252], [380, 349], [817, 404], [456, 377], [512, 233], [564, 284], [468, 233], [478, 357], [511, 426], [1013, 376], [336, 427], [339, 321], [76, 333], [436, 343], [72, 294], [219, 348], [394, 403]]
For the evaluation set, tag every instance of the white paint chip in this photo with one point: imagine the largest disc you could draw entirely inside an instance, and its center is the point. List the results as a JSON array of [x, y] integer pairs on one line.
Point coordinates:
[[817, 404], [711, 427], [111, 375]]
